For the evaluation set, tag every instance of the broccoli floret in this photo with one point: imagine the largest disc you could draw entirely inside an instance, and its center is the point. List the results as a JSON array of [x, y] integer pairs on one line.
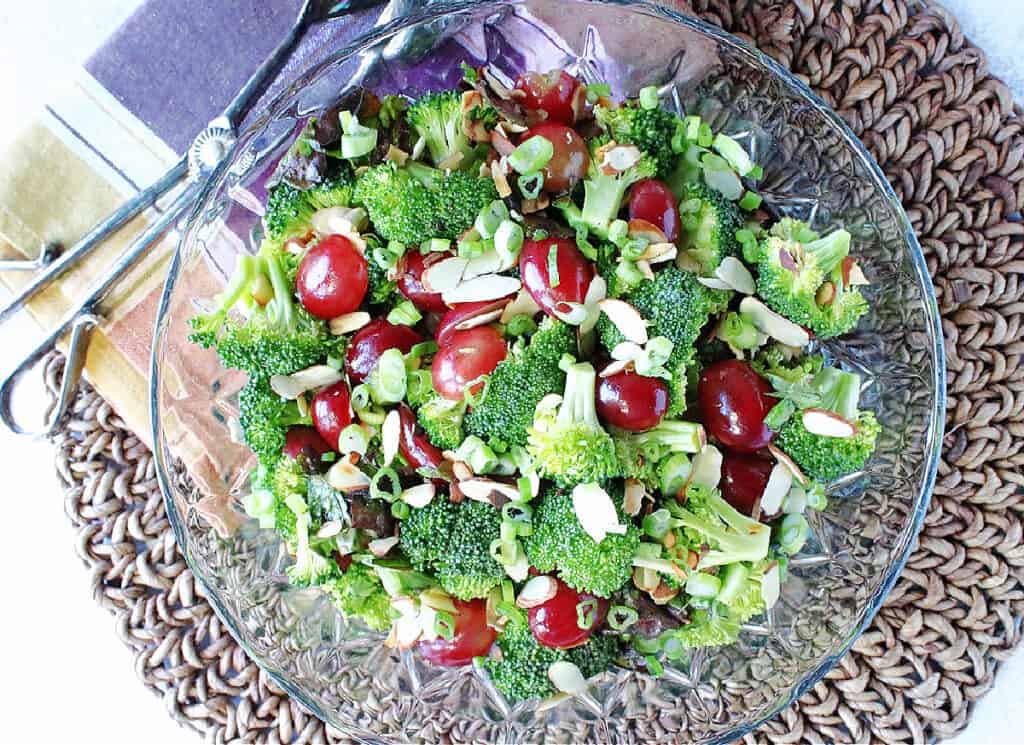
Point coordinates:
[[522, 671], [310, 568], [676, 306], [709, 225], [381, 292], [416, 203], [706, 518], [560, 542], [639, 453], [277, 339], [596, 656], [828, 458], [437, 118], [359, 593], [651, 130], [454, 541], [713, 627], [842, 313], [774, 361], [604, 193], [441, 418], [285, 523], [289, 210], [572, 447], [265, 418], [518, 384]]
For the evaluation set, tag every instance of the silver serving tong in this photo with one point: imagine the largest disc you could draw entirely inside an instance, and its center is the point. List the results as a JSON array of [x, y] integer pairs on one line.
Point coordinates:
[[207, 151]]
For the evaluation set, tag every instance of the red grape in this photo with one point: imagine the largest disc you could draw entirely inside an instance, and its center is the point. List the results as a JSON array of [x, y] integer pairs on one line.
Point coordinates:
[[472, 638], [632, 401], [464, 312], [555, 623], [415, 447], [652, 200], [332, 278], [744, 477], [371, 341], [306, 441], [410, 279], [332, 411], [734, 401], [551, 92], [573, 276], [466, 356], [571, 159]]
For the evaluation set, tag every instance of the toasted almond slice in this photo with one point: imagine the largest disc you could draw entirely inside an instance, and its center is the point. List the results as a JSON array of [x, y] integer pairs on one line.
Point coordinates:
[[771, 323], [302, 404], [519, 570], [537, 591], [646, 229], [736, 275], [390, 434], [770, 586], [396, 155], [595, 511], [626, 351], [235, 431], [626, 318], [522, 304], [614, 368], [294, 385], [645, 579], [855, 276], [461, 470], [451, 162], [346, 477], [633, 498], [480, 319], [574, 314], [619, 158], [420, 495], [827, 424], [662, 594], [789, 463], [438, 600], [825, 295], [481, 489], [349, 322], [597, 292], [567, 678], [780, 481], [707, 467], [379, 547], [645, 269], [330, 529], [343, 220], [488, 262], [485, 287], [548, 405], [657, 253], [501, 90], [556, 699], [714, 283], [501, 143], [530, 206], [408, 630], [444, 275]]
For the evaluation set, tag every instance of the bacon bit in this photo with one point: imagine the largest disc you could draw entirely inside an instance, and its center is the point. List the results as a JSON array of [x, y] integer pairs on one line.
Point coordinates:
[[663, 593], [529, 206], [826, 294], [501, 142], [396, 155], [787, 260]]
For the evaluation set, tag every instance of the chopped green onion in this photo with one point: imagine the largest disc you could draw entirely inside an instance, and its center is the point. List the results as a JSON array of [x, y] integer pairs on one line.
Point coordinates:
[[649, 97], [654, 667], [656, 524], [621, 617], [444, 625], [675, 470], [693, 124], [356, 140], [477, 454], [520, 325], [739, 331], [733, 152], [476, 398], [633, 248], [597, 90], [387, 379], [751, 201], [618, 231], [756, 173], [490, 218], [353, 439], [793, 532], [672, 647], [647, 550], [391, 475], [419, 385], [816, 498], [691, 206], [540, 234], [471, 249], [423, 349], [795, 502], [586, 613], [328, 457], [679, 142], [629, 274], [532, 155], [511, 612], [507, 533], [530, 184], [703, 585], [553, 279], [400, 510], [435, 245], [508, 241], [508, 591], [362, 405], [387, 256], [704, 135], [646, 646], [525, 488], [404, 314], [469, 75], [336, 362], [296, 503]]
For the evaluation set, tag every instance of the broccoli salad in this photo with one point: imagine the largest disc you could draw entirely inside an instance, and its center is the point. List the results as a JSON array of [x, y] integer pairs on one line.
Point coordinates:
[[534, 381]]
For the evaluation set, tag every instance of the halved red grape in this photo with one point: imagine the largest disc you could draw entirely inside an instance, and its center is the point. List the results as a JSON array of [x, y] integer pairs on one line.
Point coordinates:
[[652, 200], [569, 284], [332, 278], [734, 401], [549, 92], [465, 357], [556, 623], [306, 441], [464, 312], [630, 401], [571, 159], [332, 411], [371, 341], [744, 477], [415, 447], [472, 637], [410, 279]]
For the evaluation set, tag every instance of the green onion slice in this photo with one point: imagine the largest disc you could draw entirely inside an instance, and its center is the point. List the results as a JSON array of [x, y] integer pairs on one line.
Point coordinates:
[[621, 617], [391, 475], [532, 155]]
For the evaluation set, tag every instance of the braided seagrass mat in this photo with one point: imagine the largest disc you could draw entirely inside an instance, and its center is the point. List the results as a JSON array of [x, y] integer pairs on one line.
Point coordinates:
[[951, 141]]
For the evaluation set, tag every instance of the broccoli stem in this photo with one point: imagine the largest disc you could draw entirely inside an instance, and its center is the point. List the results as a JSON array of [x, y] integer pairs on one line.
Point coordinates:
[[283, 304], [839, 390], [602, 200], [678, 437], [423, 173], [578, 400], [830, 250]]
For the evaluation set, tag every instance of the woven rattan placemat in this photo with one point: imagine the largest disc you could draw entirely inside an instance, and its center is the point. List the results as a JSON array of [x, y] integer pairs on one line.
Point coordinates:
[[950, 140]]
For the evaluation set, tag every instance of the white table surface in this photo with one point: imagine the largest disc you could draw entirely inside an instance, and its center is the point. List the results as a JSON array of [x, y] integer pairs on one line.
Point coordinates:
[[66, 677]]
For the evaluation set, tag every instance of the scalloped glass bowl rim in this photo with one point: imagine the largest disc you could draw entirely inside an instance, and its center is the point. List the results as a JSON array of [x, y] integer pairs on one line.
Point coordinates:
[[921, 276]]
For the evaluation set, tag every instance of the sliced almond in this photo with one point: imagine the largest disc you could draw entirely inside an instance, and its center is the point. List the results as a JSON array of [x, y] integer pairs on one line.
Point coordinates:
[[519, 570], [501, 90], [438, 600], [530, 206], [522, 304], [380, 547], [461, 470], [537, 591], [480, 319], [567, 678], [614, 368], [596, 292], [626, 318], [330, 529], [657, 253], [451, 162], [645, 579], [444, 275], [627, 350], [619, 158], [714, 283], [482, 489], [474, 129], [780, 481], [501, 143], [396, 155], [349, 322], [706, 468], [853, 275], [294, 385], [825, 295], [554, 700], [486, 287], [346, 477], [647, 230], [733, 272], [420, 495], [769, 322], [302, 404], [827, 424], [340, 220], [789, 463], [662, 594], [390, 434], [595, 511], [579, 104], [488, 262], [633, 498], [645, 269], [771, 586], [574, 314]]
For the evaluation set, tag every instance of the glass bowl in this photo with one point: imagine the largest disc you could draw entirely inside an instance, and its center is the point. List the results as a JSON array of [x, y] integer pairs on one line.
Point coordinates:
[[815, 169]]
